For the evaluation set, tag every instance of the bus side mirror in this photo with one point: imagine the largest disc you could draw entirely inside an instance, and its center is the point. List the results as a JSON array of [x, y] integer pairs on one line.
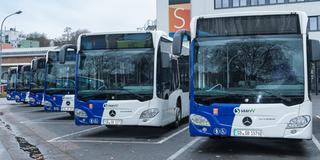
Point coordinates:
[[314, 50], [178, 40], [64, 50]]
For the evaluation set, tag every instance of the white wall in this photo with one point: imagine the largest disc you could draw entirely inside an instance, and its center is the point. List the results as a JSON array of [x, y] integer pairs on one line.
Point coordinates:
[[163, 15]]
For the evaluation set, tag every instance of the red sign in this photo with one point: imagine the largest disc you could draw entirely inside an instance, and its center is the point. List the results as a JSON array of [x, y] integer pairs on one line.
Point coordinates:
[[179, 17]]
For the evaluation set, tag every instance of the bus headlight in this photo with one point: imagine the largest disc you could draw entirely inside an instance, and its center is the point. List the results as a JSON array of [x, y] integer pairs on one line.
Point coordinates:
[[150, 113], [299, 122], [47, 103], [32, 100], [199, 120], [80, 113]]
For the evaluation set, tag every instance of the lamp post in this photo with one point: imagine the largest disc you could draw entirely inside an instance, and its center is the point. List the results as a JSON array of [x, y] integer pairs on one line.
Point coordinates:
[[1, 42]]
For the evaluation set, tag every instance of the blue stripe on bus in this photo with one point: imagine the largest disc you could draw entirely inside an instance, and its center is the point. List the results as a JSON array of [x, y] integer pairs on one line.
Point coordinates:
[[94, 115], [56, 104]]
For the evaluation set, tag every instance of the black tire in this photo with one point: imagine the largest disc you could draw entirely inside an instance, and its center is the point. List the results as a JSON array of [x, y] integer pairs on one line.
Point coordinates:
[[71, 114], [178, 111]]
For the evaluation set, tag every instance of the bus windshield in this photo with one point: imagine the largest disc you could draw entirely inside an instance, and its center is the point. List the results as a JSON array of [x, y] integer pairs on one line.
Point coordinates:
[[23, 78], [60, 78], [116, 67], [12, 80], [117, 74], [38, 77], [249, 69]]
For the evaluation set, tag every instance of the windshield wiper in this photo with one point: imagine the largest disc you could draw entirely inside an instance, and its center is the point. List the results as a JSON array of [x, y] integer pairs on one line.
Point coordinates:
[[274, 94], [135, 94], [93, 95]]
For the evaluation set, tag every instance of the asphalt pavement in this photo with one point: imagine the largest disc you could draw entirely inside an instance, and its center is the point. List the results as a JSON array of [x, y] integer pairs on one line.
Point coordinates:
[[30, 133]]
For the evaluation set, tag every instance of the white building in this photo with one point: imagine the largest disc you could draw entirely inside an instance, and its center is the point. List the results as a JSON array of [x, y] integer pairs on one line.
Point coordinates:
[[202, 7], [13, 37]]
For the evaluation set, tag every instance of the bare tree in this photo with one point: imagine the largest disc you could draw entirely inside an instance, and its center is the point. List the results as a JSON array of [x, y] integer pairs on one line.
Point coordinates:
[[41, 37]]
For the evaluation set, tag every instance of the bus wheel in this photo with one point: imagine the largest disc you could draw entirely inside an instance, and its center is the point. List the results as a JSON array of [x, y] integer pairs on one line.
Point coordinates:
[[71, 114], [177, 122]]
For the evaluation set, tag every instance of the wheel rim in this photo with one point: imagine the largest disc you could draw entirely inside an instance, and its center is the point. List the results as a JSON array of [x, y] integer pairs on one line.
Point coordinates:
[[178, 116]]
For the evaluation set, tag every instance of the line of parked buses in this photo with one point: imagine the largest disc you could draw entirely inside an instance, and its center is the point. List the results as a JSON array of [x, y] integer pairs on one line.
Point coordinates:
[[234, 75]]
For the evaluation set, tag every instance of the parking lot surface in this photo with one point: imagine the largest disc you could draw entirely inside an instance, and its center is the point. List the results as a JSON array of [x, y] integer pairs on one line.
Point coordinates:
[[29, 132]]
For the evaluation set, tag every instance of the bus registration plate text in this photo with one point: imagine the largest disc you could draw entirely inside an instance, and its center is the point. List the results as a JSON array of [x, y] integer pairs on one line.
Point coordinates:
[[247, 133], [112, 122]]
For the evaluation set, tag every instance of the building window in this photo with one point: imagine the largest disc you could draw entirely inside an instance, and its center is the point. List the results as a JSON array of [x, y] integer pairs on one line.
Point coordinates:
[[236, 3], [262, 2], [225, 3], [273, 1], [222, 4], [318, 22], [243, 3], [219, 4], [314, 23], [254, 2]]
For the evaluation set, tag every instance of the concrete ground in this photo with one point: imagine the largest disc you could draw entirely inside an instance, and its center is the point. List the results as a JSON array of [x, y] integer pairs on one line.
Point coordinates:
[[29, 132]]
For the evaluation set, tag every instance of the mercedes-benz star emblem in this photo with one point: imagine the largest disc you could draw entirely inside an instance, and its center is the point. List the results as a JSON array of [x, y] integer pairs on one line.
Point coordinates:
[[112, 113], [68, 103], [247, 121]]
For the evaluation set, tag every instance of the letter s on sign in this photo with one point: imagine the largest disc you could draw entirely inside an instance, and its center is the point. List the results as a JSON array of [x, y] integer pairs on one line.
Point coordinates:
[[180, 18]]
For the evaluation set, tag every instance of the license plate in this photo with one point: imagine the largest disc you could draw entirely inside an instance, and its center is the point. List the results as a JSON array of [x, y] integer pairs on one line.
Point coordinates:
[[112, 122], [247, 133], [67, 109]]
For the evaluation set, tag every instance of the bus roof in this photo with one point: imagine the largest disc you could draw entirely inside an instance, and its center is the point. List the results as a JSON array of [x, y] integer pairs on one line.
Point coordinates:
[[302, 15], [155, 34]]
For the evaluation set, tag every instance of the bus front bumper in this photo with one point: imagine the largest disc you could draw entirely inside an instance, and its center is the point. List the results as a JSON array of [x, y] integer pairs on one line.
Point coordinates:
[[250, 120], [126, 113], [35, 99]]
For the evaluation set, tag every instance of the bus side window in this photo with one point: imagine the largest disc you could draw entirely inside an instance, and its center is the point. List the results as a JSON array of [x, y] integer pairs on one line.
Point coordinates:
[[164, 69], [175, 75], [184, 73]]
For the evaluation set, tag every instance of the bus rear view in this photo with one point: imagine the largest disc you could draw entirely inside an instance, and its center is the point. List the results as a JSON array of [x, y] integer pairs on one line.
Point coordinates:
[[250, 76]]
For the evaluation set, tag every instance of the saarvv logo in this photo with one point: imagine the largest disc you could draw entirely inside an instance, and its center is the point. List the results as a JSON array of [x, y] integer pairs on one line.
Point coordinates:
[[239, 111]]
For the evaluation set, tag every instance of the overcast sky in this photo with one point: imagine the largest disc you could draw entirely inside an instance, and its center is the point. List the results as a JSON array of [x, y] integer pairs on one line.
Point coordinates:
[[52, 16]]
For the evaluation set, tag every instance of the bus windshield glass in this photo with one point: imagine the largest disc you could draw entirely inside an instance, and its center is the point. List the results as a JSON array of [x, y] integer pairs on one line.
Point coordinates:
[[60, 77], [116, 67], [12, 75], [249, 69], [23, 78], [38, 77]]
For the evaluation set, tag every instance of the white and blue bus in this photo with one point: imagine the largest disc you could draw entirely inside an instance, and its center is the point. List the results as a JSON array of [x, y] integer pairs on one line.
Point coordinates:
[[23, 83], [11, 83], [130, 79], [37, 81], [60, 81], [249, 75]]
